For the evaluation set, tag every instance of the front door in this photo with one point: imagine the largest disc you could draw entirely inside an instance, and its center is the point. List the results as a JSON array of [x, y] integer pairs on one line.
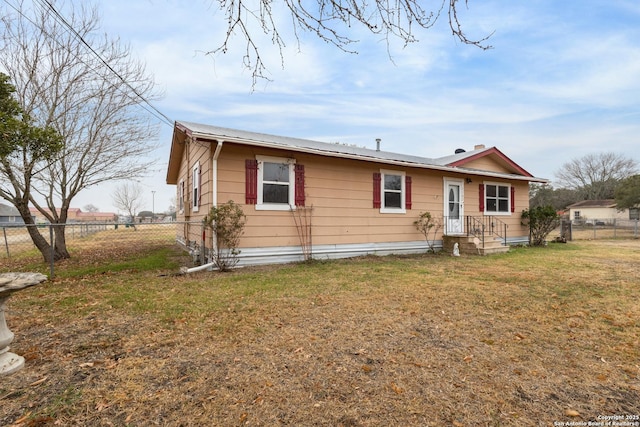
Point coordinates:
[[454, 206]]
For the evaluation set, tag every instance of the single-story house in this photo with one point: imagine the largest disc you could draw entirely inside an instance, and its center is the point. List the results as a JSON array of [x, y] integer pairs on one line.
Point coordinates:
[[599, 212], [9, 215], [340, 200]]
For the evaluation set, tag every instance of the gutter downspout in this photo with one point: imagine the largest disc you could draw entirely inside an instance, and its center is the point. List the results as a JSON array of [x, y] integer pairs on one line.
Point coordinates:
[[214, 199], [214, 172]]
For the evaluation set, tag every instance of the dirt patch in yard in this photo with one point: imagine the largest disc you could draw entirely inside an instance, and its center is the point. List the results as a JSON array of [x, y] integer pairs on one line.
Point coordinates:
[[527, 338]]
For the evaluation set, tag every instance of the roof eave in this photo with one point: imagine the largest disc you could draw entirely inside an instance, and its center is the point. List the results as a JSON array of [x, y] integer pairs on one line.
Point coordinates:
[[175, 154], [488, 152], [446, 168]]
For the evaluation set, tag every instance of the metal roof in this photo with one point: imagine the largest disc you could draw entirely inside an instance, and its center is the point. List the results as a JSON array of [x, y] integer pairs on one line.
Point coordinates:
[[208, 132], [6, 210], [605, 203]]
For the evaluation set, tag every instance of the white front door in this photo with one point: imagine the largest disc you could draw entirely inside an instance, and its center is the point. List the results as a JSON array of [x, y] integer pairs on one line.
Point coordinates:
[[454, 206]]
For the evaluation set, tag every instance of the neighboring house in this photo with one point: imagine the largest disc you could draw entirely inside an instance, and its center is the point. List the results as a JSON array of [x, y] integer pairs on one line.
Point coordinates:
[[355, 201], [599, 212], [75, 215], [10, 216]]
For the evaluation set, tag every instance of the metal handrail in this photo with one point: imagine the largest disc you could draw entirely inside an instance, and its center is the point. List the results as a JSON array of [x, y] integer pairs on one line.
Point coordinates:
[[476, 227], [483, 226]]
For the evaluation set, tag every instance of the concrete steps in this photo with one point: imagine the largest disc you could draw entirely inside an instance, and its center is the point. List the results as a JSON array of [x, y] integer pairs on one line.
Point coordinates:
[[470, 245]]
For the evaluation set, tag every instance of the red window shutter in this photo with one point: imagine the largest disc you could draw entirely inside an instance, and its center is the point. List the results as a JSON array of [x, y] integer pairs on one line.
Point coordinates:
[[513, 199], [407, 190], [251, 182], [481, 191], [376, 189], [299, 182]]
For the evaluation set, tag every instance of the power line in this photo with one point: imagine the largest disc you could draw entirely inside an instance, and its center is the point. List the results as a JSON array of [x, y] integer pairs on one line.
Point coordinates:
[[74, 32], [147, 105]]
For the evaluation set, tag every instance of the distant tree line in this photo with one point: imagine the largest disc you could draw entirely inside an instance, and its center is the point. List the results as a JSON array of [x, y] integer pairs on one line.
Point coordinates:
[[591, 177]]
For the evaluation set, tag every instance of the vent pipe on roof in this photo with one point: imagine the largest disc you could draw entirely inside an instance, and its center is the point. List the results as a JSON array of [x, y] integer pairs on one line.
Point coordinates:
[[378, 140]]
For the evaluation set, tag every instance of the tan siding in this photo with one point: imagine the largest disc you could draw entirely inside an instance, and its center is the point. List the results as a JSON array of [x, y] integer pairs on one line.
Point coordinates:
[[195, 152], [341, 193], [487, 164]]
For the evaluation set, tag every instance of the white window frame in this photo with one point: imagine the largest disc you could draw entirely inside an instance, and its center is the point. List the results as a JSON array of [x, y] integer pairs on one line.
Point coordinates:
[[195, 192], [403, 193], [181, 197], [292, 186], [497, 212]]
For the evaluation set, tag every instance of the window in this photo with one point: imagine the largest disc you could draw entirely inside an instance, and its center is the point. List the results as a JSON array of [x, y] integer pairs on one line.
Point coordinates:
[[576, 215], [276, 178], [196, 187], [181, 196], [274, 183], [498, 199], [392, 194], [634, 213]]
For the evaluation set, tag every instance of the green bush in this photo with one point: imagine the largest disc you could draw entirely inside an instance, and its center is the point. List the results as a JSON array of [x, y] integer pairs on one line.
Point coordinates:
[[541, 220]]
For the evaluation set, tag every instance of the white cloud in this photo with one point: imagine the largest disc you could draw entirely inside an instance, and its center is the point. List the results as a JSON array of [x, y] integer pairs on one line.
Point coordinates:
[[561, 80]]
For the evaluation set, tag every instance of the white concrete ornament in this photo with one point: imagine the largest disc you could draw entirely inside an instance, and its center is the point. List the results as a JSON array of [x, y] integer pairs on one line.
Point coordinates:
[[10, 283]]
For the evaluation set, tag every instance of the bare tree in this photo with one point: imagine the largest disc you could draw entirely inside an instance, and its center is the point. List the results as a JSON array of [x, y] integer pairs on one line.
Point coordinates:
[[91, 208], [332, 21], [128, 197], [596, 176], [89, 90]]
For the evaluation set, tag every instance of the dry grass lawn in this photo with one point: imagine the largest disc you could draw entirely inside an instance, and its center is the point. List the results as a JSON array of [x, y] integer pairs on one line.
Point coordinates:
[[528, 338]]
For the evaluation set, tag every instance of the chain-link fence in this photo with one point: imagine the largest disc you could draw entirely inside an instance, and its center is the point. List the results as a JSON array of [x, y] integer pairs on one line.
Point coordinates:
[[600, 229], [17, 244]]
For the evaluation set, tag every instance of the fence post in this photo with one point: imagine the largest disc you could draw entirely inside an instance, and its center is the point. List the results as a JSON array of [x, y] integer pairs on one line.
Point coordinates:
[[6, 242], [53, 252], [202, 247]]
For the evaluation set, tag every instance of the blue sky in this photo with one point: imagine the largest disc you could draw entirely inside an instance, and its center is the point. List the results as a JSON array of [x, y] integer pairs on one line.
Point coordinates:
[[562, 81]]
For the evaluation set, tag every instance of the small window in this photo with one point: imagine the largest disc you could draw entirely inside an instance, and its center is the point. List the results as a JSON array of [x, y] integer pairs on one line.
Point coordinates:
[[497, 199], [181, 197], [275, 183], [634, 213], [576, 215], [393, 192], [196, 187]]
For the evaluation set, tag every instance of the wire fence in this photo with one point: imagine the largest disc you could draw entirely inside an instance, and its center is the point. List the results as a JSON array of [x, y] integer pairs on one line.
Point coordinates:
[[17, 244], [600, 229]]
